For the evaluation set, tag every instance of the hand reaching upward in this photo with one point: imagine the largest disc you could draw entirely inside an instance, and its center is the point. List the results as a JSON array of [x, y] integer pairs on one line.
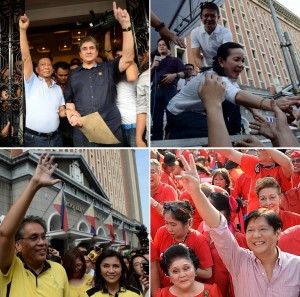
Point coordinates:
[[24, 22], [44, 170]]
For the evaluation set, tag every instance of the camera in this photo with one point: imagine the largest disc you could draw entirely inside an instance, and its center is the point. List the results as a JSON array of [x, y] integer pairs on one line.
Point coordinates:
[[143, 236], [146, 267]]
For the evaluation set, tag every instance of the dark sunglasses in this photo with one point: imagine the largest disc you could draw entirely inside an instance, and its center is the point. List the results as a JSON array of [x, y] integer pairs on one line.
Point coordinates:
[[174, 208]]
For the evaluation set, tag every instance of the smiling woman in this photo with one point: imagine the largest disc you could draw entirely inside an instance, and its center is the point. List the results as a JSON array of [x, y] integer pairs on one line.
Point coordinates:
[[110, 277]]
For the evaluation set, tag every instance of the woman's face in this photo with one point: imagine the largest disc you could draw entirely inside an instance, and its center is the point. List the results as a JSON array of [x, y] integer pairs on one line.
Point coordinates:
[[269, 198], [111, 270], [176, 228], [77, 268], [219, 181], [234, 64], [137, 264], [182, 273]]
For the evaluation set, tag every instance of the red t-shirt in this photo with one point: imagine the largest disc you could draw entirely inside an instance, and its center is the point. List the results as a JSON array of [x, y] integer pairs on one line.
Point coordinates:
[[169, 178], [248, 164], [195, 240], [163, 194], [197, 218], [209, 290], [289, 219], [289, 240], [295, 180]]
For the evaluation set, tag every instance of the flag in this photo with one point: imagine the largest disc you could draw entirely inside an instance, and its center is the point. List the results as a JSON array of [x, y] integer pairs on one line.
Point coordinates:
[[59, 204], [90, 216], [109, 224], [122, 227]]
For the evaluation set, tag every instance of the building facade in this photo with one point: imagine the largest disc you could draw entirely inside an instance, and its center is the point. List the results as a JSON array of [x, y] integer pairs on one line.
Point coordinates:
[[81, 188]]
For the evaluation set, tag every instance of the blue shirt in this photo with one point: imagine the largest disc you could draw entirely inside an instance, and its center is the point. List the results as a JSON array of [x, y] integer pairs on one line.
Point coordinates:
[[94, 90], [168, 65]]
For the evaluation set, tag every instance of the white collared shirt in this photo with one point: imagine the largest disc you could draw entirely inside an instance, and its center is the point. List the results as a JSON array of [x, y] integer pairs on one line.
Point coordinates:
[[42, 104], [209, 44]]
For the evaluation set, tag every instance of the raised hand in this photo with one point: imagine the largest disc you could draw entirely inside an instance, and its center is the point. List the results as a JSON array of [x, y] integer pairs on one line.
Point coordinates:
[[122, 16], [24, 22], [44, 170], [190, 177], [212, 91]]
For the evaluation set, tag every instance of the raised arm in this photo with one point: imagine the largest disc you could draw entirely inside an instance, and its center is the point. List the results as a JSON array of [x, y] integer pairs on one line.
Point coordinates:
[[231, 154], [25, 52], [123, 18], [211, 94], [13, 219], [198, 58], [191, 182], [282, 160]]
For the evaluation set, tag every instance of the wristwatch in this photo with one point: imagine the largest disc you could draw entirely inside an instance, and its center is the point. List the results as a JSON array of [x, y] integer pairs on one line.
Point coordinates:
[[155, 204]]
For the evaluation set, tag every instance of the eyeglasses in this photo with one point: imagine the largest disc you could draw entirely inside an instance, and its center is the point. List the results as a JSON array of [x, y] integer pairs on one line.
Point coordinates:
[[295, 161], [174, 208], [78, 265], [36, 238]]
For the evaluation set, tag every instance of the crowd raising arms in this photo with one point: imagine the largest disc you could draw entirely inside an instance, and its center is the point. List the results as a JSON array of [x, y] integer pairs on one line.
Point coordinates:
[[262, 269]]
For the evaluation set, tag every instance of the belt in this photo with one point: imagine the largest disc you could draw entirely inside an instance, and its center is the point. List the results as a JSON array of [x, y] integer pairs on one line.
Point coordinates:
[[50, 134], [160, 86], [128, 126]]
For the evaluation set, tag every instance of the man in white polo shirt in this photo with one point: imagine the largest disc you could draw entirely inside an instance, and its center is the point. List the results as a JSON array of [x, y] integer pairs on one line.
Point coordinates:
[[207, 38], [44, 98]]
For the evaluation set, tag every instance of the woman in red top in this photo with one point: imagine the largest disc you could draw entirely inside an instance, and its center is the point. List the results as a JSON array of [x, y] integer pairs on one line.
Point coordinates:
[[269, 194], [180, 263], [222, 179], [178, 217]]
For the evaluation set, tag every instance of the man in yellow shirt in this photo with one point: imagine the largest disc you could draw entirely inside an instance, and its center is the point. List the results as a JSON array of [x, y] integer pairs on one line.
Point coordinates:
[[30, 274]]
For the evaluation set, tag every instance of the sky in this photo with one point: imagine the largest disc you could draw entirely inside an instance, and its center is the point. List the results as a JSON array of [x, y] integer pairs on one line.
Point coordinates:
[[292, 5], [142, 160]]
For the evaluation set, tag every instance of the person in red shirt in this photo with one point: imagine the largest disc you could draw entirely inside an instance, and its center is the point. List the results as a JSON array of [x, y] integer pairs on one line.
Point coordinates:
[[269, 162], [289, 240], [295, 160], [178, 221], [180, 264], [160, 193], [167, 175], [269, 195], [221, 276]]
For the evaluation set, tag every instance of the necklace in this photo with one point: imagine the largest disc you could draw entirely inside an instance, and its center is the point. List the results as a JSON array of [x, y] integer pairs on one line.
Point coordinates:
[[184, 239]]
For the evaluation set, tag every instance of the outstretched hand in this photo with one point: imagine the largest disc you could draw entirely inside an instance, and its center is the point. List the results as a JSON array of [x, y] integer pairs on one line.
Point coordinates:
[[190, 177], [44, 170]]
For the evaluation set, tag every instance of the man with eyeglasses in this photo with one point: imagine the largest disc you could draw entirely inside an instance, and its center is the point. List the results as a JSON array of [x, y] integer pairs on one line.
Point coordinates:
[[30, 274], [295, 160], [207, 38]]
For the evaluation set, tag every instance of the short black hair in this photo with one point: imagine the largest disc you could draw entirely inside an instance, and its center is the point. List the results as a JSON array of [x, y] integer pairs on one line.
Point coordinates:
[[189, 64], [209, 5], [166, 42], [29, 219], [61, 64], [271, 217]]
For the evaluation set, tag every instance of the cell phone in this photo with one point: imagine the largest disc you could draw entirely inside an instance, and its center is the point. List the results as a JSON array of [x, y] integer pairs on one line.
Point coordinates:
[[146, 267]]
